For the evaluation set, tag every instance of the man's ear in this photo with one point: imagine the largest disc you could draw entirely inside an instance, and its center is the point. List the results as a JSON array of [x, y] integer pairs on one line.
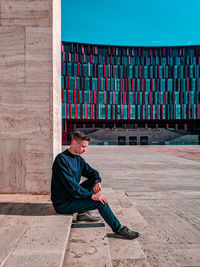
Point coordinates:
[[74, 142]]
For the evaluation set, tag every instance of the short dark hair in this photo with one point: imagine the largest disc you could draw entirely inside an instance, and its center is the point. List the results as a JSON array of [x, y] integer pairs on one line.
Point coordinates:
[[80, 136]]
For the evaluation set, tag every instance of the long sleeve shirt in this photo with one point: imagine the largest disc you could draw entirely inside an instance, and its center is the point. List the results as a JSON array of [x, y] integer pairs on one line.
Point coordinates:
[[66, 174]]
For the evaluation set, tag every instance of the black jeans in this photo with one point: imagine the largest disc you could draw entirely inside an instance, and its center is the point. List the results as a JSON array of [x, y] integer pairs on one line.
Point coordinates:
[[84, 205]]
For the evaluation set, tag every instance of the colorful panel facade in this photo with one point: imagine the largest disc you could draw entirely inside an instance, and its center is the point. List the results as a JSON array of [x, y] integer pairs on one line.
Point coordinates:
[[126, 83]]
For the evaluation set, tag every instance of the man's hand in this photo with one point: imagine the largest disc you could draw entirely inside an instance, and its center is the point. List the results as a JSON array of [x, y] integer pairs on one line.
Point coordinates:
[[99, 197], [97, 188]]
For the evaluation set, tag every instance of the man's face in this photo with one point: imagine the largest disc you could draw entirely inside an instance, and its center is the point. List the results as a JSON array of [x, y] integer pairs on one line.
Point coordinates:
[[80, 146]]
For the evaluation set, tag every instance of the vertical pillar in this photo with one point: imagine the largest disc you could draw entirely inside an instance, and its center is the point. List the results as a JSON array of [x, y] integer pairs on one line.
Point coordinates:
[[30, 103]]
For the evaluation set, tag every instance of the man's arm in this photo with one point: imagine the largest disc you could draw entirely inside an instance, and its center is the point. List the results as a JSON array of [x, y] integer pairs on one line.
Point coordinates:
[[70, 184], [90, 173]]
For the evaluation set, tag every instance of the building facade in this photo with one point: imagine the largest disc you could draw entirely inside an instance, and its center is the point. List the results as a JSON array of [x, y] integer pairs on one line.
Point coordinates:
[[130, 88]]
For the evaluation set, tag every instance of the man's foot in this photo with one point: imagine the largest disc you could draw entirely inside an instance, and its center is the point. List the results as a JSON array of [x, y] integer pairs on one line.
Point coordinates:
[[87, 217], [127, 233]]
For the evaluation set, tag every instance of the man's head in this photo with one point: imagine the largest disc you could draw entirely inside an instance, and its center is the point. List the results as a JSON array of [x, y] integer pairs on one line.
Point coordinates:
[[79, 143]]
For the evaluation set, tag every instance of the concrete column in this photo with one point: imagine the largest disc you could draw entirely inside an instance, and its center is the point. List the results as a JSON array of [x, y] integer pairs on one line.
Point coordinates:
[[30, 103]]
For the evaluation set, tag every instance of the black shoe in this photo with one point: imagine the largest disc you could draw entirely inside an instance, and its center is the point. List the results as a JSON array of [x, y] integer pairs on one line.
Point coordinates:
[[127, 233], [87, 217]]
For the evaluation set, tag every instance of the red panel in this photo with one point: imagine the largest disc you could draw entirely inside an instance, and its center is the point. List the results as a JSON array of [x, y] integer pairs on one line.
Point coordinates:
[[106, 111], [136, 85], [91, 58], [86, 111], [151, 111], [78, 100], [76, 111], [132, 85], [150, 98], [94, 97], [99, 83], [79, 69], [62, 95], [68, 78], [161, 111], [125, 81], [165, 98], [114, 97], [113, 71], [124, 97], [91, 111], [89, 97], [121, 84], [134, 95], [74, 95], [70, 110], [97, 93], [75, 57], [106, 84], [69, 57], [129, 111]]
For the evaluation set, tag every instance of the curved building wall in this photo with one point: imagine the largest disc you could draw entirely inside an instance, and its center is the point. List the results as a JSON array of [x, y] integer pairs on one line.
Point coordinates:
[[129, 84]]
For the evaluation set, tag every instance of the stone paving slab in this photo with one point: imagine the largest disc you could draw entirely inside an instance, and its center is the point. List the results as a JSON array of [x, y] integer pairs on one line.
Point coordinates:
[[32, 233], [164, 190], [88, 247]]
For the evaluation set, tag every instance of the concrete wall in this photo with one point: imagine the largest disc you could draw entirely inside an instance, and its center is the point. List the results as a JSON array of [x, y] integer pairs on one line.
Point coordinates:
[[30, 108]]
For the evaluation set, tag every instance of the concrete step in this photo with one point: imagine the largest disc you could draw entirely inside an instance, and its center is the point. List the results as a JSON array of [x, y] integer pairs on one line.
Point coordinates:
[[33, 235], [88, 246], [123, 252], [154, 252]]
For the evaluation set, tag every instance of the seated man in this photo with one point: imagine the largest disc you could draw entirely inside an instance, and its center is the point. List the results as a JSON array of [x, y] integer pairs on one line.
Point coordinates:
[[68, 196]]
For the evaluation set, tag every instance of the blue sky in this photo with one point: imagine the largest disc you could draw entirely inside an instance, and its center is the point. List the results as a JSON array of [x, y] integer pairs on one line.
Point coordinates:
[[131, 22]]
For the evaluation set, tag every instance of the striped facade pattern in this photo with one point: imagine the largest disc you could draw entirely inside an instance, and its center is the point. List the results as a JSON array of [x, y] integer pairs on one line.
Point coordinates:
[[118, 83]]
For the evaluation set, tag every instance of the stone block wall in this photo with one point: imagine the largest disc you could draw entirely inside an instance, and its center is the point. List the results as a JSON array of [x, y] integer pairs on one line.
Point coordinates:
[[30, 105]]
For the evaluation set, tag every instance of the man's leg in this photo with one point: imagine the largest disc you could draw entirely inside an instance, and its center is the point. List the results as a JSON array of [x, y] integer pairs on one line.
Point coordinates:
[[84, 205]]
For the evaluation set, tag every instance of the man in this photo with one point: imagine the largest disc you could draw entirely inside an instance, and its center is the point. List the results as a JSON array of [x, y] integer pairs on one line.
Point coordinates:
[[68, 196]]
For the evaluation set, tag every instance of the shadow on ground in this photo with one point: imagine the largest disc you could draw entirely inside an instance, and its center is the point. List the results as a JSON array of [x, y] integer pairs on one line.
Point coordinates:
[[27, 209]]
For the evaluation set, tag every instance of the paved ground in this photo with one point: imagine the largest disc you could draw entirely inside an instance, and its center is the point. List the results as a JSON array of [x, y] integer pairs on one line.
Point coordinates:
[[155, 189]]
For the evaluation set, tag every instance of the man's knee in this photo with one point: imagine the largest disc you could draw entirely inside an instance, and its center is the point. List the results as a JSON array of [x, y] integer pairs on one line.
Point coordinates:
[[102, 206]]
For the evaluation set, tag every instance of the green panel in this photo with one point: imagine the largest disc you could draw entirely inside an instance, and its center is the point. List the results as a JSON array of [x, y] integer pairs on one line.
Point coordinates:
[[65, 96], [133, 111], [125, 112], [63, 110]]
